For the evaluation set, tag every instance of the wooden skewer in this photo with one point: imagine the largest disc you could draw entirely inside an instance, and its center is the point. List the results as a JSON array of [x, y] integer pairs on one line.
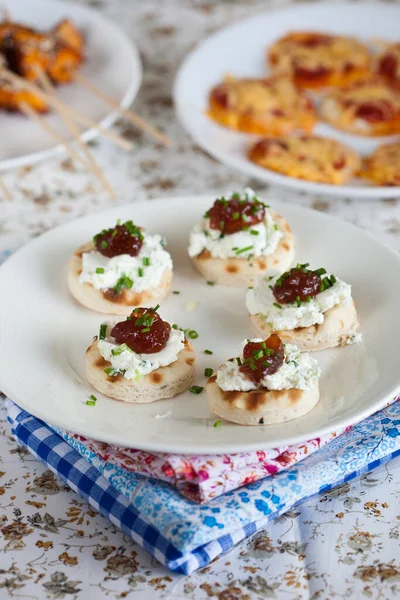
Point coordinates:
[[32, 114], [128, 114], [6, 192], [35, 89], [73, 129]]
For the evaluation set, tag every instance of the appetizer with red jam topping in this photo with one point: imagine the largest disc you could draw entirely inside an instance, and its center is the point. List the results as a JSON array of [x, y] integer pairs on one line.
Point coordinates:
[[308, 157], [370, 107], [141, 359], [240, 238], [316, 60], [270, 382], [120, 268], [269, 106], [311, 309]]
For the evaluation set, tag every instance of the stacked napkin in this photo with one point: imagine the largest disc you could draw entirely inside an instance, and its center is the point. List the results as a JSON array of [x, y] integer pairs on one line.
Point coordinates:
[[130, 487]]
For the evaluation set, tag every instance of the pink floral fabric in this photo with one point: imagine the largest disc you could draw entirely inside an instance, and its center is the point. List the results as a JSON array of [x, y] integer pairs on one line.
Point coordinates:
[[203, 477]]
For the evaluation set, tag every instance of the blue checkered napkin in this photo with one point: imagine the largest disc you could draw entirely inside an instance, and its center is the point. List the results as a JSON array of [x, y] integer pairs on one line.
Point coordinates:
[[183, 536]]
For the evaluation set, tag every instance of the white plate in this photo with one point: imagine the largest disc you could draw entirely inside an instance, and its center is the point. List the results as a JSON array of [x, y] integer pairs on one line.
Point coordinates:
[[44, 334], [112, 63], [240, 50]]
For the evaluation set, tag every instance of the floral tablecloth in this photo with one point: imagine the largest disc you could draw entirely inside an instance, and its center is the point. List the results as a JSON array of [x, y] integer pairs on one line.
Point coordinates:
[[344, 544]]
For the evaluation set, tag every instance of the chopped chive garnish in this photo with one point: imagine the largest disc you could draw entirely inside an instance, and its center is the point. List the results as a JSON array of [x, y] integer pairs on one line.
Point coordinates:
[[140, 272], [210, 282], [156, 308], [298, 301], [174, 326], [93, 397], [196, 389], [275, 227], [270, 287], [241, 250], [110, 371], [254, 232], [120, 350], [193, 334], [176, 292], [238, 360], [208, 372], [103, 331], [207, 351], [277, 305], [91, 402], [235, 216], [308, 299], [258, 354], [333, 280], [99, 270], [263, 345], [320, 272], [251, 287], [217, 423], [206, 214], [145, 330], [146, 261], [104, 244]]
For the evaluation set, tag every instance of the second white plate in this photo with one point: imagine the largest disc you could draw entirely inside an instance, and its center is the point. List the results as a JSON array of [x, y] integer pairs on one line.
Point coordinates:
[[44, 334], [240, 50], [112, 64]]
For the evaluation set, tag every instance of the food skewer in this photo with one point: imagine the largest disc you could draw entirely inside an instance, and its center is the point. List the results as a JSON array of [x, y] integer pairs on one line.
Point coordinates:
[[128, 114], [74, 130], [5, 191], [29, 85], [32, 114]]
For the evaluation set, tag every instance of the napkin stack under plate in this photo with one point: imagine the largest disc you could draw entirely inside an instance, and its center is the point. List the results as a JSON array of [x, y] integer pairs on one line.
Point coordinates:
[[131, 488]]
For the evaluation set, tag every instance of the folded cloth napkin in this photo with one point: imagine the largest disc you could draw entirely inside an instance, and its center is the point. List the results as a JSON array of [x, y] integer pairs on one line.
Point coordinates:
[[184, 536], [197, 477]]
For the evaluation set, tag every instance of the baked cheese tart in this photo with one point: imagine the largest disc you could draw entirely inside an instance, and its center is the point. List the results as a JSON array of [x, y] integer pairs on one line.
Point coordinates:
[[315, 60], [313, 158], [272, 106], [383, 166]]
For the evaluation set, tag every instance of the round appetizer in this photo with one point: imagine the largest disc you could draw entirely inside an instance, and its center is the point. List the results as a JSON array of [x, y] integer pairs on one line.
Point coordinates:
[[383, 166], [239, 239], [141, 359], [316, 60], [368, 108], [120, 268], [307, 157], [311, 309], [388, 65], [272, 106], [271, 382]]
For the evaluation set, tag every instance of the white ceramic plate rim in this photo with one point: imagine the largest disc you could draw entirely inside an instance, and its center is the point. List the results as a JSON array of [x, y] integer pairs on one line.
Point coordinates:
[[109, 119], [184, 117], [387, 392]]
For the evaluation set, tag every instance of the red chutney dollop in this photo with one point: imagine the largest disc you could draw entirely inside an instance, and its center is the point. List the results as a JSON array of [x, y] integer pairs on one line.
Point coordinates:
[[300, 284], [262, 358], [144, 331], [235, 214], [121, 239]]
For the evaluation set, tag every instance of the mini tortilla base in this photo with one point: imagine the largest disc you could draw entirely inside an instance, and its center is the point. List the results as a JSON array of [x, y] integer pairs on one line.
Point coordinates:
[[262, 406], [240, 272], [108, 301], [164, 382], [339, 323]]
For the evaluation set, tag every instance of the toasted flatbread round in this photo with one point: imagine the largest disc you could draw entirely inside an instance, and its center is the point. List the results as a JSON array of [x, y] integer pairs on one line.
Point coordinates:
[[311, 157], [108, 301], [164, 382], [262, 406], [340, 322], [369, 108], [240, 272], [383, 165], [268, 106], [317, 60]]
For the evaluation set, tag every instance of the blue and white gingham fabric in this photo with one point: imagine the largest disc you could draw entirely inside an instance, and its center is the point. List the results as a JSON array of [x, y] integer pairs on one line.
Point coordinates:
[[183, 536]]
